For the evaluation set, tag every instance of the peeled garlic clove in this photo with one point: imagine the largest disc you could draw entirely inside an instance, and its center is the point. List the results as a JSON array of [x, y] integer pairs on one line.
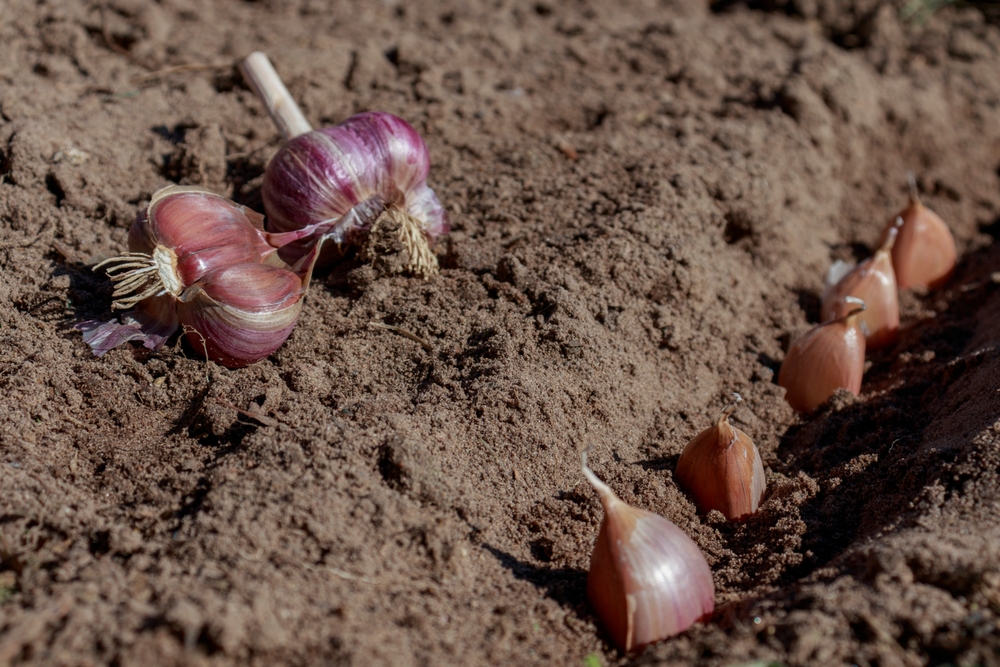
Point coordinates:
[[648, 580], [348, 177], [721, 468], [924, 255], [874, 282], [837, 270], [829, 357]]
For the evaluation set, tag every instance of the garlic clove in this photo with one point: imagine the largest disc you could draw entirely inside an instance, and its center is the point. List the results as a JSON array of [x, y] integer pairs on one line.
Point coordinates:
[[647, 580], [721, 468], [924, 255], [240, 314], [874, 282], [204, 230], [830, 356]]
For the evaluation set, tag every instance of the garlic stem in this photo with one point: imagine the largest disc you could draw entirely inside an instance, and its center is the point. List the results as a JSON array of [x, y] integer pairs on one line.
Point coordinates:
[[854, 301], [603, 489], [731, 408], [281, 106], [911, 182], [890, 236]]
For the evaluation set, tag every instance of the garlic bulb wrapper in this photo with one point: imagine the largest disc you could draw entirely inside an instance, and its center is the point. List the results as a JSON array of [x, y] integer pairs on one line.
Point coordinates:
[[647, 580], [874, 282], [721, 468], [924, 254], [830, 356], [348, 176], [200, 262]]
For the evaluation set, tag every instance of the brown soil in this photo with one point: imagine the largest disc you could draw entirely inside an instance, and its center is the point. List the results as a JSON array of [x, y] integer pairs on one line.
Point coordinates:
[[645, 196]]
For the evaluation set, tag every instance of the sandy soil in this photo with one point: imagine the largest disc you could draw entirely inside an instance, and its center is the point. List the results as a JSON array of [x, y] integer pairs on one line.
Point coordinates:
[[645, 196]]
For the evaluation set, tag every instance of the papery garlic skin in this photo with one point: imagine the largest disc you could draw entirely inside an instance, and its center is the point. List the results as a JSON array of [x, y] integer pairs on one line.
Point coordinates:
[[647, 580], [924, 255], [200, 262], [830, 356], [874, 282], [349, 175], [722, 469]]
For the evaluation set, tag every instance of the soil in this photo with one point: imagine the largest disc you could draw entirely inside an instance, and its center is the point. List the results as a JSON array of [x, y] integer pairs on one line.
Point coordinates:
[[645, 196]]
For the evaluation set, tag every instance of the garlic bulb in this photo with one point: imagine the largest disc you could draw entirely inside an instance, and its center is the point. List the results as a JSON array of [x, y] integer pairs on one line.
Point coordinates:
[[874, 282], [371, 167], [648, 580], [722, 469], [924, 254], [830, 356], [201, 262]]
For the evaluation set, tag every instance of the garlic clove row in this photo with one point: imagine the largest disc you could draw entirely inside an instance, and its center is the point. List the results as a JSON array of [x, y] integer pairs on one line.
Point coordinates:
[[647, 580], [916, 250], [722, 469], [830, 356]]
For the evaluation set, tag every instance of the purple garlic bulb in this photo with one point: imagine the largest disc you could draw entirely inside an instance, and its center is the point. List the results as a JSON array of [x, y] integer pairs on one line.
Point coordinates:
[[349, 176], [200, 262]]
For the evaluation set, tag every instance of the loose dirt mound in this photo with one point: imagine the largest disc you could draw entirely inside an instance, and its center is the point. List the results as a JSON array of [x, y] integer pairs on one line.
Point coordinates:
[[645, 197]]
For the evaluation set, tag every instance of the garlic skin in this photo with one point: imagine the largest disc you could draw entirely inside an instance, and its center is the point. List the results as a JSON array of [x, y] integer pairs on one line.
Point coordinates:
[[647, 580], [349, 176], [721, 468], [924, 254], [200, 262], [874, 282], [830, 356]]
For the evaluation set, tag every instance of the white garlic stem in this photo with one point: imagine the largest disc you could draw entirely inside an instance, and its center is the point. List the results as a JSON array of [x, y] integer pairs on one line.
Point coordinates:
[[603, 490], [731, 408], [281, 106], [911, 183]]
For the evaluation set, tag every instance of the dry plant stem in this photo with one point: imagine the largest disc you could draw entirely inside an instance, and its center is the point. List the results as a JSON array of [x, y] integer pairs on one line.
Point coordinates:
[[187, 328], [263, 419], [404, 333], [266, 83]]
